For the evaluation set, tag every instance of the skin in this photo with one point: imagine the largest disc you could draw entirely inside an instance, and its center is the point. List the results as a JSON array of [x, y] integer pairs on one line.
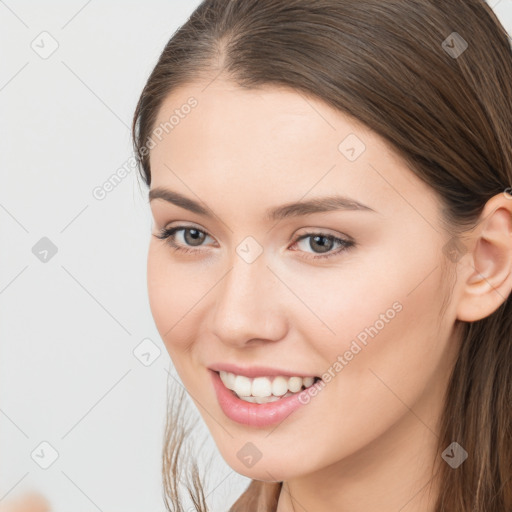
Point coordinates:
[[29, 502], [367, 440]]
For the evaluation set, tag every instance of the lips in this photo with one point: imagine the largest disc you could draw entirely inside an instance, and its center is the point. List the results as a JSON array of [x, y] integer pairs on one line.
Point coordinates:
[[255, 414], [259, 371]]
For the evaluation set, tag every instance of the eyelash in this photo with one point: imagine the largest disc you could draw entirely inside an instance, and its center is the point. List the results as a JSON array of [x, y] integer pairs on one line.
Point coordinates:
[[168, 236]]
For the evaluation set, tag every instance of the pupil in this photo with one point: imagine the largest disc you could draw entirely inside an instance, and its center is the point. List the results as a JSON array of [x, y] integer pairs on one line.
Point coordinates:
[[196, 237], [323, 247]]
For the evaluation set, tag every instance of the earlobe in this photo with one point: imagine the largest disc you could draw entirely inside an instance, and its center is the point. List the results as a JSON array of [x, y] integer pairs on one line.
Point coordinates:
[[487, 268]]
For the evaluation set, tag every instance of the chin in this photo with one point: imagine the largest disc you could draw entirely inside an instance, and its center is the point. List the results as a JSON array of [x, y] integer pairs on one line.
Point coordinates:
[[265, 470]]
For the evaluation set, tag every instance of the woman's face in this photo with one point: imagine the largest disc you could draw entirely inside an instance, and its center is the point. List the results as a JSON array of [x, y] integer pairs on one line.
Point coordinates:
[[257, 295]]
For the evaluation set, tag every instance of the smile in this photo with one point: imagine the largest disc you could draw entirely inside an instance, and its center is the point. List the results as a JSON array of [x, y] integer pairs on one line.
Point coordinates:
[[238, 397], [262, 390]]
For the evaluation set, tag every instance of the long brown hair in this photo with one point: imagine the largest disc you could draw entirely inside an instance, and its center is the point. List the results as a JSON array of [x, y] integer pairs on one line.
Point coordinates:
[[434, 79]]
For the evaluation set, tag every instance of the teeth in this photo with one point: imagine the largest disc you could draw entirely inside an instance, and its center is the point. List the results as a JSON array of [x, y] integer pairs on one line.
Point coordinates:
[[263, 400], [251, 399], [308, 381], [242, 385], [294, 384], [230, 382], [279, 386], [267, 388], [261, 387]]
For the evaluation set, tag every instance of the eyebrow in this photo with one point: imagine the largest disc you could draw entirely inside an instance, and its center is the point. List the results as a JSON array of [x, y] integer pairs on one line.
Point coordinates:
[[296, 209]]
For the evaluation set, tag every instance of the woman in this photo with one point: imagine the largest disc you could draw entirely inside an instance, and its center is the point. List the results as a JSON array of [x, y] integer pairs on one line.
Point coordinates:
[[331, 260]]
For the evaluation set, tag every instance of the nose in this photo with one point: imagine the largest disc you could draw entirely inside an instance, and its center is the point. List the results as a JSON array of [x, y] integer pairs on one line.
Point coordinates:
[[249, 305]]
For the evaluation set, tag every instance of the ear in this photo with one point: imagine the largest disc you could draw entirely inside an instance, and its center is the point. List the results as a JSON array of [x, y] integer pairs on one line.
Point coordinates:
[[485, 270]]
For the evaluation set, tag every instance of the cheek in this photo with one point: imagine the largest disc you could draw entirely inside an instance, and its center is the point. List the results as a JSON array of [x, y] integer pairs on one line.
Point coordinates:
[[392, 347], [375, 305], [180, 295], [172, 292], [384, 330], [351, 303]]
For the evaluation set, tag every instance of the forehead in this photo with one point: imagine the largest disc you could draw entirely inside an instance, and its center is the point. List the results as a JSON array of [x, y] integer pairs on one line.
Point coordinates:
[[268, 141], [276, 120]]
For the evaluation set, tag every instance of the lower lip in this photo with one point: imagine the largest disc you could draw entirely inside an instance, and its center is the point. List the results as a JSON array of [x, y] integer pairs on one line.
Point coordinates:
[[255, 415]]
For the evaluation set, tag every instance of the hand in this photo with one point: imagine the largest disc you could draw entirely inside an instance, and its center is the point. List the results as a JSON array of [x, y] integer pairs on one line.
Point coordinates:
[[30, 502]]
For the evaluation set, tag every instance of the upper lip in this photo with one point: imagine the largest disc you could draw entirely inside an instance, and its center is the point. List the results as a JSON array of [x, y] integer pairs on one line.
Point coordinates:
[[257, 371]]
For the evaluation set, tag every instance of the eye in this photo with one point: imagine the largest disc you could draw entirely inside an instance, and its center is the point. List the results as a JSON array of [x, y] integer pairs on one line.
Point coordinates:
[[196, 237], [324, 243], [193, 237]]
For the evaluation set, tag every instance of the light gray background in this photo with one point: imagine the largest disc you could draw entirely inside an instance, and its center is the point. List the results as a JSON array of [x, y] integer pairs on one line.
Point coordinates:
[[69, 326]]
